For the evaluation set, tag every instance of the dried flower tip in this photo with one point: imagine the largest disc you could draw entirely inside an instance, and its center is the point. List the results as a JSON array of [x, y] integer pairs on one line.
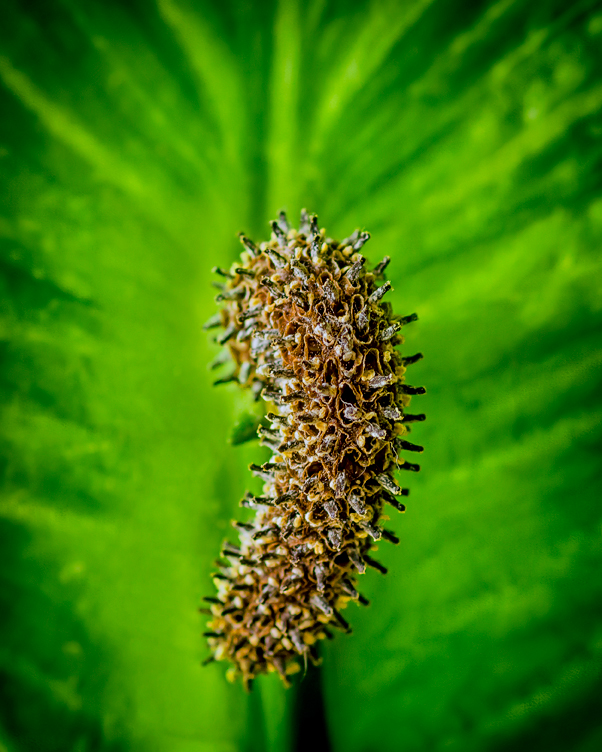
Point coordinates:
[[363, 238], [281, 419], [230, 295], [407, 389], [375, 564], [304, 222], [228, 334], [380, 292], [351, 239], [271, 285], [380, 268], [389, 484], [412, 359], [355, 269], [402, 444], [393, 501], [245, 272], [322, 604], [403, 465], [222, 272], [280, 235], [391, 537], [226, 379], [220, 360], [250, 313], [213, 322], [356, 503], [407, 418], [283, 221], [248, 244], [390, 331]]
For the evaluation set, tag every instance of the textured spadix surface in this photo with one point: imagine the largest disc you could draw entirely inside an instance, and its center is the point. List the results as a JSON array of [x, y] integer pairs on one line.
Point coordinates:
[[307, 329], [136, 138]]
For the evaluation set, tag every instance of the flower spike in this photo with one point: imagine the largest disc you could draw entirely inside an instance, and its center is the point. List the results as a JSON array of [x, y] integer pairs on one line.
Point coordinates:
[[305, 328]]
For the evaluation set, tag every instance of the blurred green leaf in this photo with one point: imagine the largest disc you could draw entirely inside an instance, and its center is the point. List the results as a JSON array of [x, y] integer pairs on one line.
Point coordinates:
[[135, 141], [245, 429]]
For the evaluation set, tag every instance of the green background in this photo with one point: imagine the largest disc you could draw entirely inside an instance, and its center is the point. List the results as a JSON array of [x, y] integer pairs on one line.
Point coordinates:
[[136, 139]]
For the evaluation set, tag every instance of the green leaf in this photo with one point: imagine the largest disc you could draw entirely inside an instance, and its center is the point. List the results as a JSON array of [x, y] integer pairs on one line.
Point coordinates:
[[135, 141], [245, 429]]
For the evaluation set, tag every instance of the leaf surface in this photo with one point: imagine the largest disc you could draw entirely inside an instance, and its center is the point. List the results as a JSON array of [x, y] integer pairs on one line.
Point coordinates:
[[135, 141]]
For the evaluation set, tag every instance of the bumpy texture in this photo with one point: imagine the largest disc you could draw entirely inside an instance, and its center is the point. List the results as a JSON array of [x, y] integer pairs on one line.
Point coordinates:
[[306, 328]]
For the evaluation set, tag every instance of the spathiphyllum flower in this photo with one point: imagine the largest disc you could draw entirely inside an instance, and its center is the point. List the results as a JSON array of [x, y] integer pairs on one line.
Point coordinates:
[[307, 329]]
